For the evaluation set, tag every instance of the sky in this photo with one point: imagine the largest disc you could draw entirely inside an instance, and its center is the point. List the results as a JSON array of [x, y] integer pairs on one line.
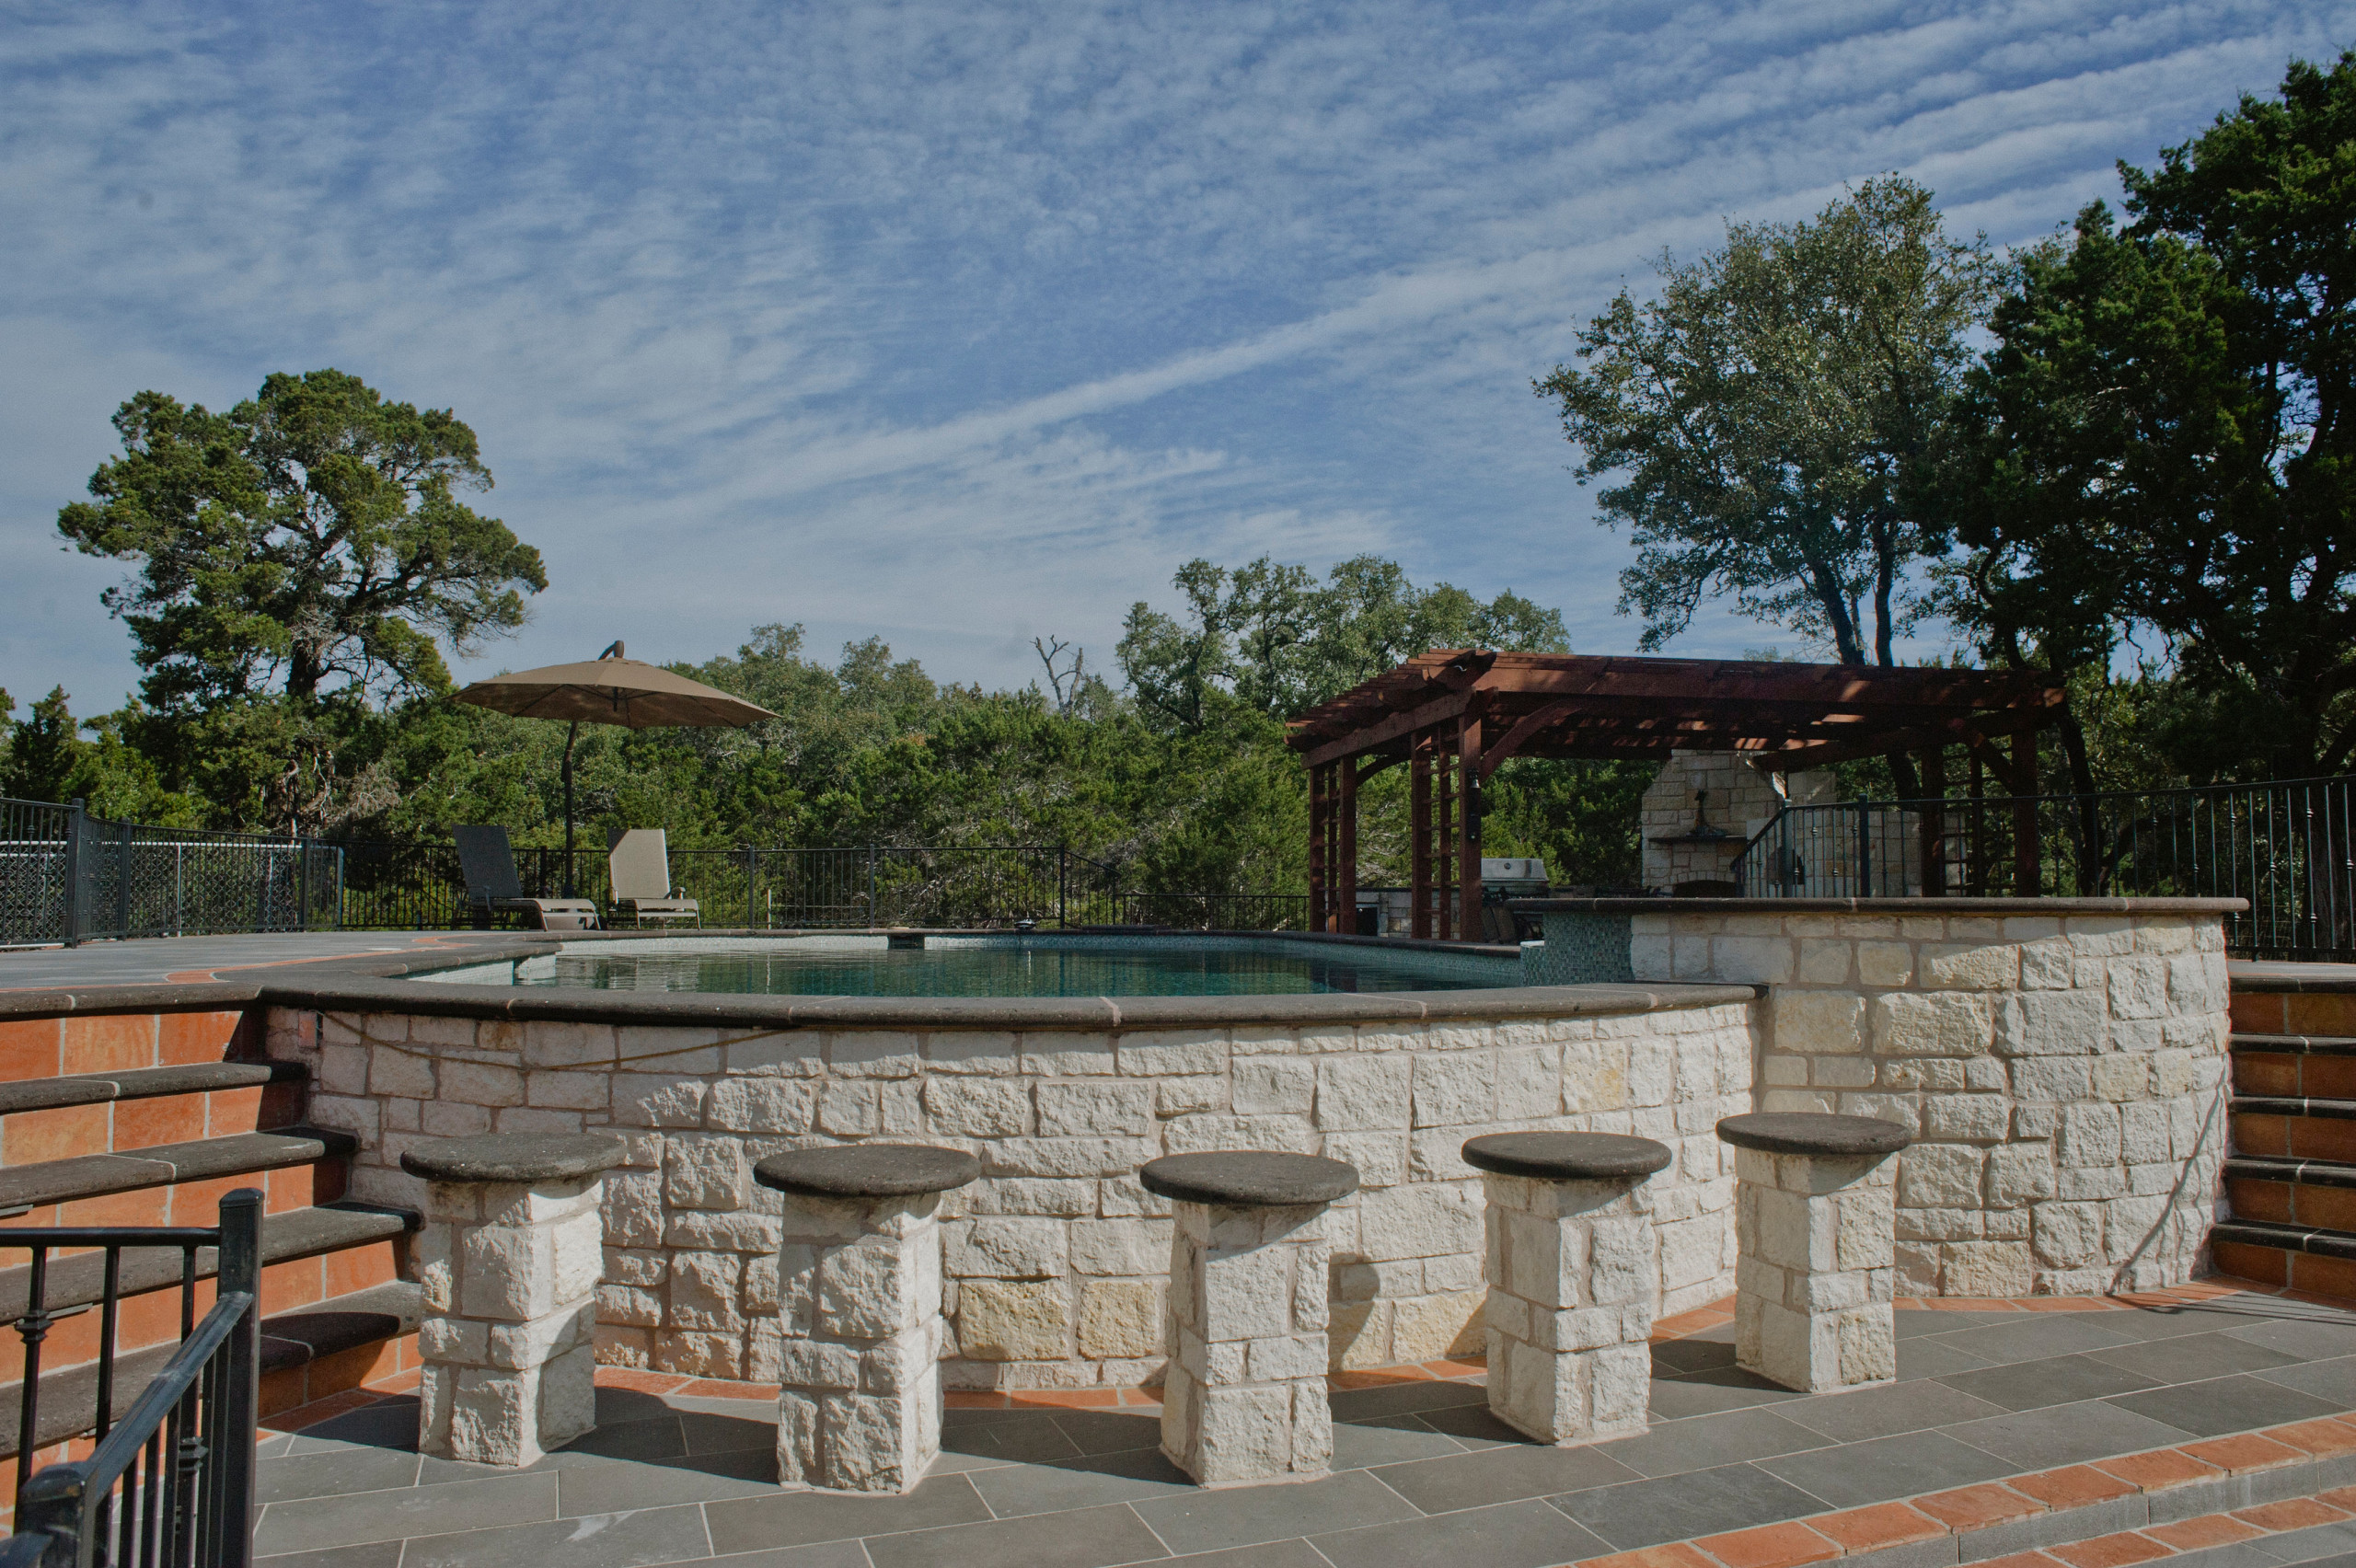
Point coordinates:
[[962, 324]]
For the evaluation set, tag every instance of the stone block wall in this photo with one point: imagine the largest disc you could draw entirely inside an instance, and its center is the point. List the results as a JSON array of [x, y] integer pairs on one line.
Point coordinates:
[[1057, 1260], [2064, 1075], [1741, 800]]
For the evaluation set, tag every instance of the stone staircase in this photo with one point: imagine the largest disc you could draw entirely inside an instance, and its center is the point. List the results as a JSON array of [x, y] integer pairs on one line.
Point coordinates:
[[2291, 1177], [150, 1119]]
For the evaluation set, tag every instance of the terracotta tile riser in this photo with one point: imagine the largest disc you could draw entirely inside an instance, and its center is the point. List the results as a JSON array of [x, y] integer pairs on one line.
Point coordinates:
[[30, 1137]]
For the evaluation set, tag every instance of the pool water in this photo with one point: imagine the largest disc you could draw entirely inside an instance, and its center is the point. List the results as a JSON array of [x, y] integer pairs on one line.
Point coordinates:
[[1012, 966]]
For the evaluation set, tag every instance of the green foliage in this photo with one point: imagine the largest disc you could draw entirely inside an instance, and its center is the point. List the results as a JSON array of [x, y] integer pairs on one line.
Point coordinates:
[[2163, 440], [309, 540], [1270, 639], [1772, 412], [47, 759]]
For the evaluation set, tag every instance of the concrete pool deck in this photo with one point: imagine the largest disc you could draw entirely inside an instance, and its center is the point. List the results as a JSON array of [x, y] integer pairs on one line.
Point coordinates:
[[2102, 1432]]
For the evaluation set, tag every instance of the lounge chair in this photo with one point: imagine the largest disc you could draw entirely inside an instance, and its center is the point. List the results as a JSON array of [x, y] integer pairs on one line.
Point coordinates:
[[639, 861], [488, 862]]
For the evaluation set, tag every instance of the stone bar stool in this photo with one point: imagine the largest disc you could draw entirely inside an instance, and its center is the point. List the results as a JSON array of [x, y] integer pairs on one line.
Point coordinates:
[[1816, 1229], [1574, 1266], [858, 1302], [510, 1257], [1244, 1398]]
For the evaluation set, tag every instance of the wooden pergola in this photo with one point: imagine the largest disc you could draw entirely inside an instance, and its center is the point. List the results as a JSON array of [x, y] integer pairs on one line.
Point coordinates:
[[1454, 714]]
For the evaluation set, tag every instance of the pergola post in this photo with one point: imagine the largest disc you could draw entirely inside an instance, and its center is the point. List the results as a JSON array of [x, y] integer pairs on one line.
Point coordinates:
[[1318, 899], [1345, 844], [1419, 838], [1933, 822], [2025, 879], [1468, 837]]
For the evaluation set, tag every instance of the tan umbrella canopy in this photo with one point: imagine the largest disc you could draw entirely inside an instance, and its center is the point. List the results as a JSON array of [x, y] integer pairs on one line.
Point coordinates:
[[609, 689]]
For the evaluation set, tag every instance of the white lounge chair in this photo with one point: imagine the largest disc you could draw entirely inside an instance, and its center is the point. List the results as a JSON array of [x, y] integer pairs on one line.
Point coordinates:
[[640, 860]]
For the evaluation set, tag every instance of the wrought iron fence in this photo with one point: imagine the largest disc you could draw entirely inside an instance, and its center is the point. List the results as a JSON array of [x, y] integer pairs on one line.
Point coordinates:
[[172, 1481], [2288, 846], [419, 885], [67, 876]]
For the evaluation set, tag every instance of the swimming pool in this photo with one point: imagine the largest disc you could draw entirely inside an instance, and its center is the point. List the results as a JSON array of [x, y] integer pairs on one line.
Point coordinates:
[[1009, 965]]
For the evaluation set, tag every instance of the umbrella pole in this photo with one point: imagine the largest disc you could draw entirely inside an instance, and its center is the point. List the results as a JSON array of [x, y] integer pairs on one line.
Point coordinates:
[[572, 732]]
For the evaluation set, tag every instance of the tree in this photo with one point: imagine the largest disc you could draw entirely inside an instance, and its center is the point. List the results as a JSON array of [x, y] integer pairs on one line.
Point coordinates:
[[1267, 638], [309, 539], [1771, 415], [2163, 440]]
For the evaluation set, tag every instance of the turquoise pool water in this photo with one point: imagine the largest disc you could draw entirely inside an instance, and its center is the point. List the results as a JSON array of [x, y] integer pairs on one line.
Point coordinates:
[[1010, 966]]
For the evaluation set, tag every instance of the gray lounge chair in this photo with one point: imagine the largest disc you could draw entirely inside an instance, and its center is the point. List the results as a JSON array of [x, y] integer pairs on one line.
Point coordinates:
[[488, 862], [639, 862]]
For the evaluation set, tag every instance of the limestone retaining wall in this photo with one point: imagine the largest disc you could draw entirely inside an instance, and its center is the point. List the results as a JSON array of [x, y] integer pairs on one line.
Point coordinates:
[[1056, 1260], [2063, 1072]]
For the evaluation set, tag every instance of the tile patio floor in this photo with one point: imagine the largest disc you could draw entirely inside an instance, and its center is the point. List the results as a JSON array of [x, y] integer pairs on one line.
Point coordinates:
[[1423, 1475]]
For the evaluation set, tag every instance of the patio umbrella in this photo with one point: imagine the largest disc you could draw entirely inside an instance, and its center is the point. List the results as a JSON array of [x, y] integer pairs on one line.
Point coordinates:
[[609, 689]]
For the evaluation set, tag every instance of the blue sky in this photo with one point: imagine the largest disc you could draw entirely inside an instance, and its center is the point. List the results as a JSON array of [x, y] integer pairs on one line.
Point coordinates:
[[957, 324]]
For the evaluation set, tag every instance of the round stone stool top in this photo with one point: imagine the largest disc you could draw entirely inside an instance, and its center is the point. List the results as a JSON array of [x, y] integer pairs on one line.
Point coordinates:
[[1809, 1132], [1567, 1157], [868, 1170], [514, 1157], [1253, 1178]]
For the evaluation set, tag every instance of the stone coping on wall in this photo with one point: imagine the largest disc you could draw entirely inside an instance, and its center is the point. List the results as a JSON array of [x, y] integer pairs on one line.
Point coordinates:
[[1879, 906]]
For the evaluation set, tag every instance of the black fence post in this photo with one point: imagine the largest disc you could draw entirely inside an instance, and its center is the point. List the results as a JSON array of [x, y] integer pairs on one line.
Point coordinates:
[[752, 856], [73, 932], [239, 1390], [124, 849]]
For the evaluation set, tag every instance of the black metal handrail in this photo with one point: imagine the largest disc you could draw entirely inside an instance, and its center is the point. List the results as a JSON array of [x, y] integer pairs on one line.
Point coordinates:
[[172, 1481]]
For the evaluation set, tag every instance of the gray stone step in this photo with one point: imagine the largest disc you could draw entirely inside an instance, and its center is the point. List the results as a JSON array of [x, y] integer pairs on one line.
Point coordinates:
[[301, 1233], [69, 1399], [95, 1175], [143, 1083]]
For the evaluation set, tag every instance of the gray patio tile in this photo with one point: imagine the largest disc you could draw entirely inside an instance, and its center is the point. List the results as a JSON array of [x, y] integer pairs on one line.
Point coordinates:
[[1474, 1425], [323, 1475], [709, 1432], [658, 1438], [2334, 1379], [827, 1554], [2226, 1404], [955, 1464], [1885, 1411], [2309, 1339], [2238, 1554], [2174, 1322], [388, 1424], [2188, 1357], [1273, 1554], [595, 1540], [1702, 1442], [274, 1445], [1108, 1431], [1012, 1490], [1926, 1357], [1646, 1513], [1702, 1394], [1681, 1356], [1245, 1515], [798, 1518], [1037, 1439], [2061, 1379], [1091, 1538], [316, 1523], [2032, 1336], [382, 1554], [609, 1486], [1501, 1475], [1912, 1321], [1883, 1468], [1508, 1534], [1360, 1444], [1405, 1399], [2065, 1434]]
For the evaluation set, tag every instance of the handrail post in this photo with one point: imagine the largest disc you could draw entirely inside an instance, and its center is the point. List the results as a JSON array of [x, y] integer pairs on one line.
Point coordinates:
[[122, 851], [238, 1389]]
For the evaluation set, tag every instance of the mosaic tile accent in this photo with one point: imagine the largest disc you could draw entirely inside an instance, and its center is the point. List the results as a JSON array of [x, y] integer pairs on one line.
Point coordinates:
[[1580, 949]]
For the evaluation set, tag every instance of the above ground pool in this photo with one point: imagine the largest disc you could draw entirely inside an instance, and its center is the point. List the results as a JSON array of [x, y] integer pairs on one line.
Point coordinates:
[[1009, 965]]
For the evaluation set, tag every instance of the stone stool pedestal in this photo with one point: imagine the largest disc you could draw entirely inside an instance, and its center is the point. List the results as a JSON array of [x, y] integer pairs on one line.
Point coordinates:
[[1244, 1398], [858, 1302], [510, 1257], [1816, 1231], [1573, 1267]]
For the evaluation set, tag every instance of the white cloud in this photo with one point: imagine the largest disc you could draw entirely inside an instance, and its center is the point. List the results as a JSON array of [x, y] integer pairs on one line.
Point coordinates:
[[953, 323]]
